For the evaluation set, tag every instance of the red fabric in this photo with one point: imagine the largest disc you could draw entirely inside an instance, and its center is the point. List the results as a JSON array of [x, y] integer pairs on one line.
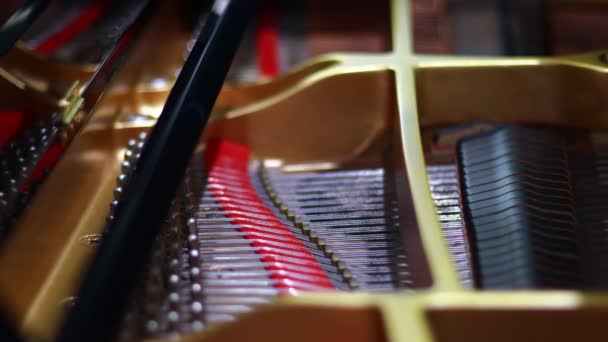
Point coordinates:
[[48, 160], [86, 19], [267, 43], [10, 122], [288, 261]]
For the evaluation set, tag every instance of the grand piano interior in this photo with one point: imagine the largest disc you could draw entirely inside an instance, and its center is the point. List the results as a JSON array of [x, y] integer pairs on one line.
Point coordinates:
[[370, 170]]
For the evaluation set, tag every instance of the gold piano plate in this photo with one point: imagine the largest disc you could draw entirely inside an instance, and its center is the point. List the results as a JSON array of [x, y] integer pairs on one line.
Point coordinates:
[[336, 109]]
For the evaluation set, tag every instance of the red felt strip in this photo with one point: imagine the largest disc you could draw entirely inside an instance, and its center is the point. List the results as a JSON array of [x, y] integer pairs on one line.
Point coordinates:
[[86, 19], [289, 262], [48, 160], [267, 43], [10, 122]]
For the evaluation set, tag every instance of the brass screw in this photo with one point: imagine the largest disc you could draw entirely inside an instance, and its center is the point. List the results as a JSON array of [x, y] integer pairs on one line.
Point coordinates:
[[68, 303], [91, 239]]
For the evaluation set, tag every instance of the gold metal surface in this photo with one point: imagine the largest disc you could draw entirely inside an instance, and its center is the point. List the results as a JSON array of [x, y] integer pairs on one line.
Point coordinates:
[[236, 96], [44, 259], [562, 91], [19, 96], [37, 69], [361, 109], [424, 316], [306, 323]]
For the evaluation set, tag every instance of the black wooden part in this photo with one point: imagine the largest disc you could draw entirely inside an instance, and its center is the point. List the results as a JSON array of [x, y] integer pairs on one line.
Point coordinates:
[[8, 332], [19, 22], [147, 197], [523, 27]]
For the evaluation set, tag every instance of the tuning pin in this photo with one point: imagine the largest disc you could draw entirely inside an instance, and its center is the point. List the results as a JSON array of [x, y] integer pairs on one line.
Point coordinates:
[[125, 166], [121, 179], [128, 154], [118, 193]]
